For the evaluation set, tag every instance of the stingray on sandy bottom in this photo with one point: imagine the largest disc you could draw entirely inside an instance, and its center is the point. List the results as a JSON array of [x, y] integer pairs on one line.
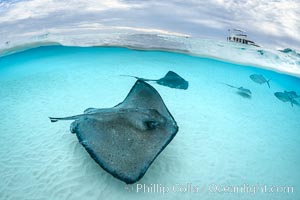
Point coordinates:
[[171, 79], [124, 140], [243, 92], [288, 97], [260, 79]]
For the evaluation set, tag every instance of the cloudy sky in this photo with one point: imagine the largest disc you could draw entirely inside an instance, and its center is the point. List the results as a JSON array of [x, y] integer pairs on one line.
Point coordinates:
[[271, 23]]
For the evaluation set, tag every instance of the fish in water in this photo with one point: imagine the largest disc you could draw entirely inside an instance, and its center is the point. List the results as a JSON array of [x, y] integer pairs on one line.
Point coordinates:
[[260, 79], [288, 97], [171, 79], [125, 139], [244, 92], [292, 94]]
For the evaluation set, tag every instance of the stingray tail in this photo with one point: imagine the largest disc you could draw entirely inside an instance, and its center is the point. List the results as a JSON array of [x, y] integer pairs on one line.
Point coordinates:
[[268, 82], [55, 119], [227, 85], [138, 78], [130, 76]]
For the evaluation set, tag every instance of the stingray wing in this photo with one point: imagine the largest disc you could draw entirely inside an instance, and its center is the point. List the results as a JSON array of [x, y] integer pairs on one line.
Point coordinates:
[[143, 95], [172, 74]]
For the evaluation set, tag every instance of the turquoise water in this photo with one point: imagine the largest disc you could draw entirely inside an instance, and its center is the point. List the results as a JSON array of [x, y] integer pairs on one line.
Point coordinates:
[[224, 139]]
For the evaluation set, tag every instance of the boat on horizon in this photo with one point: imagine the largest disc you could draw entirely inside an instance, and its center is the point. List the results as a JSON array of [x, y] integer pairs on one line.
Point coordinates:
[[240, 36]]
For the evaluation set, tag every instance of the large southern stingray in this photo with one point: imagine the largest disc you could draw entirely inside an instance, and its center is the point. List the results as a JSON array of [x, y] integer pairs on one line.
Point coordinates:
[[171, 79], [288, 97], [124, 140], [244, 92], [260, 79]]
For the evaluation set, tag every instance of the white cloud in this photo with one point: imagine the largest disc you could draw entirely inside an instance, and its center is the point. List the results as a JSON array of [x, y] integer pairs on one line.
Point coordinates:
[[270, 22], [43, 8], [270, 17], [209, 23]]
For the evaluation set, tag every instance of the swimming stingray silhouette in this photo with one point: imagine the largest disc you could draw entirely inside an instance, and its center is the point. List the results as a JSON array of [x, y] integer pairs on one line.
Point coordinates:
[[124, 140], [244, 92], [171, 79]]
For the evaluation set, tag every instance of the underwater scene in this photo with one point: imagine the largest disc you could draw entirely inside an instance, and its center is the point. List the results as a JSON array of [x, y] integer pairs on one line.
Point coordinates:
[[131, 99], [148, 124]]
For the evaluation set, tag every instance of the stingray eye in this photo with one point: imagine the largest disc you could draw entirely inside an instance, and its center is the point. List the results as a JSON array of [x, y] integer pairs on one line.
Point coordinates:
[[151, 124]]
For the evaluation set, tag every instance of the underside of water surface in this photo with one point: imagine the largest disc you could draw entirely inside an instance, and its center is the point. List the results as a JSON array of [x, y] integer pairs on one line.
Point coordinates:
[[225, 138]]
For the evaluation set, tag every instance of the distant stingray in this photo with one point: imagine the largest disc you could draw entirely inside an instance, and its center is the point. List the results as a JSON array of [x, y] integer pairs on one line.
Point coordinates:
[[171, 79], [287, 97], [244, 92], [124, 140], [260, 79]]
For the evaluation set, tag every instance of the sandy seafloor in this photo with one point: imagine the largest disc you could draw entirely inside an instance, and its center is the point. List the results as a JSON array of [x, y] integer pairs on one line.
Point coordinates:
[[223, 139]]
